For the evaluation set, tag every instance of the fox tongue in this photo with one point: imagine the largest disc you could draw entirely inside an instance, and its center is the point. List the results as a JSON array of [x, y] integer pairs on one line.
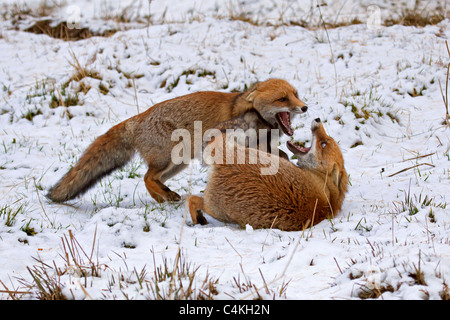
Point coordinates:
[[296, 149], [284, 119], [304, 150]]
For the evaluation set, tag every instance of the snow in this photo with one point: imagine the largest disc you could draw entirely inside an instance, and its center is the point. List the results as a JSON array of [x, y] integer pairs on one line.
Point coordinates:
[[387, 231]]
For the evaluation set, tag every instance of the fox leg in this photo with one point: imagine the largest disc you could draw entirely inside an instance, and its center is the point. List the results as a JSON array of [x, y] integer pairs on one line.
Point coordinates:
[[195, 209], [157, 189], [172, 170]]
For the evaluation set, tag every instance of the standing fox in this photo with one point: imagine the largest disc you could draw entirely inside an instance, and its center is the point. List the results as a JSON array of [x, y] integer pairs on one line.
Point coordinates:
[[149, 133], [311, 191]]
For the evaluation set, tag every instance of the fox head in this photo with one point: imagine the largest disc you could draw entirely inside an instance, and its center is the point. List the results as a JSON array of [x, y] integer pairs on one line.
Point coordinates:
[[277, 102], [323, 156]]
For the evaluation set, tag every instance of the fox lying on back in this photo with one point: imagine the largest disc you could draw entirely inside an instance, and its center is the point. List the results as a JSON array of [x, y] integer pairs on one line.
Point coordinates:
[[149, 133], [311, 191]]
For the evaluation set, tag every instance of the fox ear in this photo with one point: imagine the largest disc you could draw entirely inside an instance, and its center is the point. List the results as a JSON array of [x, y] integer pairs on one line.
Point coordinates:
[[339, 178], [336, 176], [251, 94]]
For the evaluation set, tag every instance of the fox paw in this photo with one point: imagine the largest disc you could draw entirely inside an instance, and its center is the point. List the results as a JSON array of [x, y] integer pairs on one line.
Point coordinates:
[[173, 196], [168, 196], [200, 218]]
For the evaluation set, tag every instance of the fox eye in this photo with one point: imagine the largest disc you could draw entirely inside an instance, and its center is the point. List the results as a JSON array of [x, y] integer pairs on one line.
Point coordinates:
[[284, 99], [323, 144]]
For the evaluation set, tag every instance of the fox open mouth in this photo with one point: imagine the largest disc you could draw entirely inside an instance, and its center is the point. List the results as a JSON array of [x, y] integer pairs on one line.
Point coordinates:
[[284, 120], [296, 149]]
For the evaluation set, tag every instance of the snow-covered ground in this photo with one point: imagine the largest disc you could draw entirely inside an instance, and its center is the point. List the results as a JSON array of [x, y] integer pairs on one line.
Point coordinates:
[[375, 88]]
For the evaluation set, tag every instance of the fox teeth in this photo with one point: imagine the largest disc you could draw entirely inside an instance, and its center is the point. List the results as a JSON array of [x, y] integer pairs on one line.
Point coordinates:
[[285, 122]]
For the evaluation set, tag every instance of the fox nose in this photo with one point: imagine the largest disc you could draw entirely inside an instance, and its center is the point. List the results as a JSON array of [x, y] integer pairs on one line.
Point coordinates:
[[305, 108], [315, 124]]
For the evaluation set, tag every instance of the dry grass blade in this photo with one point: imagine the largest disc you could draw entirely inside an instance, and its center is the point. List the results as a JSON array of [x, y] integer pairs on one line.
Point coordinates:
[[72, 246], [420, 157], [412, 167], [331, 50], [283, 273], [49, 287], [12, 293], [445, 95]]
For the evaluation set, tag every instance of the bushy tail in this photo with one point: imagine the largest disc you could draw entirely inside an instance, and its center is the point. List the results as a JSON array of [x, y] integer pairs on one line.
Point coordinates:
[[107, 153]]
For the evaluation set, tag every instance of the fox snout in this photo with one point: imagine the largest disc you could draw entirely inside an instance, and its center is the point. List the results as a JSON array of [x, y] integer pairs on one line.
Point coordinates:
[[315, 124], [301, 151], [322, 154], [283, 118], [277, 102], [299, 109], [307, 156]]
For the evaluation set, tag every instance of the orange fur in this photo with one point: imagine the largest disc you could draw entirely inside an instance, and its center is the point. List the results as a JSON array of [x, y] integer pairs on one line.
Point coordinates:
[[289, 200]]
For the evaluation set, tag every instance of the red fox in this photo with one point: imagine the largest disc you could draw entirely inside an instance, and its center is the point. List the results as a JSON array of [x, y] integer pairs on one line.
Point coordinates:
[[312, 190], [149, 133]]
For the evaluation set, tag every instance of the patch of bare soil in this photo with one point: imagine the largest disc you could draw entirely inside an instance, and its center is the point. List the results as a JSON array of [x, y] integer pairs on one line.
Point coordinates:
[[63, 32]]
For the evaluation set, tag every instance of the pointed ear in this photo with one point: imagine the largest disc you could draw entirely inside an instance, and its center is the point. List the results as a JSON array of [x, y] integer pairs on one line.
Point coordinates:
[[251, 94], [336, 176], [339, 178]]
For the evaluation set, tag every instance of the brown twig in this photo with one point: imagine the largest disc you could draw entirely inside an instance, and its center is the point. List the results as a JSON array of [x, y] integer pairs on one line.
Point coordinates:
[[419, 157], [415, 166], [445, 96], [337, 265]]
